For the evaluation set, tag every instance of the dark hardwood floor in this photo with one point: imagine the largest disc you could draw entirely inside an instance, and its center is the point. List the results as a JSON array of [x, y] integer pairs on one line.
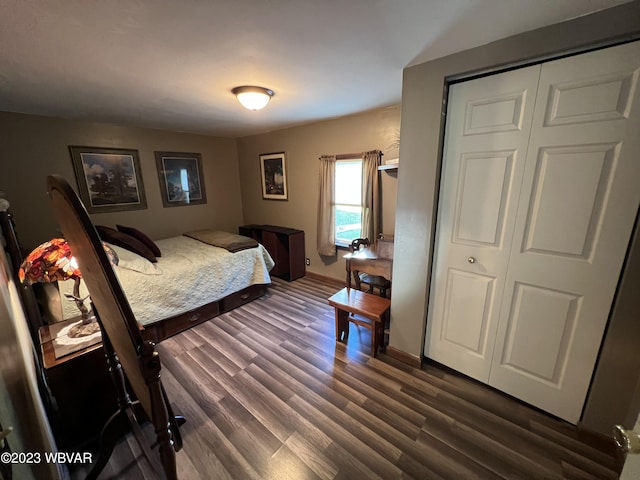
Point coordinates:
[[268, 394]]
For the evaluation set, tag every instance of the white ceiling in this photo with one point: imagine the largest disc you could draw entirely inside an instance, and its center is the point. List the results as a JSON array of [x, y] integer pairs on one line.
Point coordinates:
[[171, 64]]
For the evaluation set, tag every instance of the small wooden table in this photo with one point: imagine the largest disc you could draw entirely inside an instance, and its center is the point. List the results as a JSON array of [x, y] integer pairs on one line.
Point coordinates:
[[371, 307], [374, 261]]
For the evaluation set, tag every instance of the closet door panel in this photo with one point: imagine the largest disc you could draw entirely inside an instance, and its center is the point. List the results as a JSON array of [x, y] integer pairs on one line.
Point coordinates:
[[485, 147], [467, 307], [540, 320], [566, 208], [483, 191], [576, 211]]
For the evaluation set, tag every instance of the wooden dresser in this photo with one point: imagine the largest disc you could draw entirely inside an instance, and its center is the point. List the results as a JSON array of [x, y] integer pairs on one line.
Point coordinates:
[[285, 245]]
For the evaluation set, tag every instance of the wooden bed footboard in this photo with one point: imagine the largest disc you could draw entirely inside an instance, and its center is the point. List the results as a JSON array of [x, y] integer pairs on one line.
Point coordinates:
[[158, 331]]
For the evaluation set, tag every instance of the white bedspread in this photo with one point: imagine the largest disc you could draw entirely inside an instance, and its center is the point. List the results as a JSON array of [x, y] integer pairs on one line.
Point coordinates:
[[189, 274]]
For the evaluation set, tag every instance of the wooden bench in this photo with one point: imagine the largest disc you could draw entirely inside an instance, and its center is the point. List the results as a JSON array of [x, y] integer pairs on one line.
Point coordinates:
[[372, 307]]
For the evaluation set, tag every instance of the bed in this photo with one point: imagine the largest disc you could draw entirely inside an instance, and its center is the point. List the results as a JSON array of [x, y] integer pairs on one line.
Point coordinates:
[[190, 283]]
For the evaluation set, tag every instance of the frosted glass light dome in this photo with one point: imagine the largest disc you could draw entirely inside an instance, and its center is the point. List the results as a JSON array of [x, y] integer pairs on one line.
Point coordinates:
[[253, 98]]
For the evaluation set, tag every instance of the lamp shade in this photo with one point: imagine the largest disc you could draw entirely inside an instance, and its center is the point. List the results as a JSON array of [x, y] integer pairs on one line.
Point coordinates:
[[50, 262], [53, 261], [253, 98]]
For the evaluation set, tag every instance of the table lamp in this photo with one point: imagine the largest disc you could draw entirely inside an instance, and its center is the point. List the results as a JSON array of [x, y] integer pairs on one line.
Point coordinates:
[[53, 261]]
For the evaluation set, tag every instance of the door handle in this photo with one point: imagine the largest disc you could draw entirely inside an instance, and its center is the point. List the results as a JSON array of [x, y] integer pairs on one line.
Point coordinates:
[[627, 440], [471, 260]]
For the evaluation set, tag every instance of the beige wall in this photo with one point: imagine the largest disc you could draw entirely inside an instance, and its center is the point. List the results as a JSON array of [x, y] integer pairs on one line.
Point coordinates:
[[303, 145], [422, 95], [33, 147]]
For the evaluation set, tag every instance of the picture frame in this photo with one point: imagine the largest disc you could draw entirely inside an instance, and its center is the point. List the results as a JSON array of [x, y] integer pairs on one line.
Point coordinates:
[[181, 178], [109, 179], [273, 176]]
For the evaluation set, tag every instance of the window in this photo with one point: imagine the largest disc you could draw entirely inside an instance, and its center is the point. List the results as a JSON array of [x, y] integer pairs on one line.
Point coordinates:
[[348, 200]]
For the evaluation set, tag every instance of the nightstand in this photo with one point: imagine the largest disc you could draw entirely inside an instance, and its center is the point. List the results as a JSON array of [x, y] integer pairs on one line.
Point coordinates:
[[80, 384]]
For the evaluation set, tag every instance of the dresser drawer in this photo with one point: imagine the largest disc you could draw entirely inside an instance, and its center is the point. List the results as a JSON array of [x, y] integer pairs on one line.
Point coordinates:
[[243, 296], [169, 327]]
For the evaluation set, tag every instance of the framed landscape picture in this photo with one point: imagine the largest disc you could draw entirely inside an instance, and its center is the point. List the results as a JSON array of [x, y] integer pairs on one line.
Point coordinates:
[[273, 174], [181, 178], [109, 179]]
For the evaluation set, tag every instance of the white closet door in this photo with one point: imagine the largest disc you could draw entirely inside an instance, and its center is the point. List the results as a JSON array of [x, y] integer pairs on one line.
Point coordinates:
[[486, 139], [579, 199]]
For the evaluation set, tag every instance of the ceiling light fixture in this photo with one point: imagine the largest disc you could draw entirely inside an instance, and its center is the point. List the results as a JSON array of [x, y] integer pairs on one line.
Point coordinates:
[[253, 98]]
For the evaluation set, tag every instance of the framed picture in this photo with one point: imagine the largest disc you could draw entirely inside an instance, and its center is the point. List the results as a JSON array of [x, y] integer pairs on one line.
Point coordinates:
[[181, 178], [109, 179], [273, 173]]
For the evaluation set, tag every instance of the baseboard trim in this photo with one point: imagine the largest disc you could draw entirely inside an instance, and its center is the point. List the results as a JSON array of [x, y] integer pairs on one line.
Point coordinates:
[[323, 278], [404, 357]]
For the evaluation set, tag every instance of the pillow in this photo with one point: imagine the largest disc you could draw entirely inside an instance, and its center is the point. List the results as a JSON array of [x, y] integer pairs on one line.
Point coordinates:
[[132, 261], [135, 233], [114, 237]]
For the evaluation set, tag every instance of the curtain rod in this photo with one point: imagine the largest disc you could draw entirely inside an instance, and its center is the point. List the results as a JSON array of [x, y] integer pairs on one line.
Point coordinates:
[[348, 156]]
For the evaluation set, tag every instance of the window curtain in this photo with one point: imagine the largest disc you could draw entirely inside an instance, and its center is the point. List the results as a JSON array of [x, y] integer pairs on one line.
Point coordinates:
[[326, 241], [371, 194]]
